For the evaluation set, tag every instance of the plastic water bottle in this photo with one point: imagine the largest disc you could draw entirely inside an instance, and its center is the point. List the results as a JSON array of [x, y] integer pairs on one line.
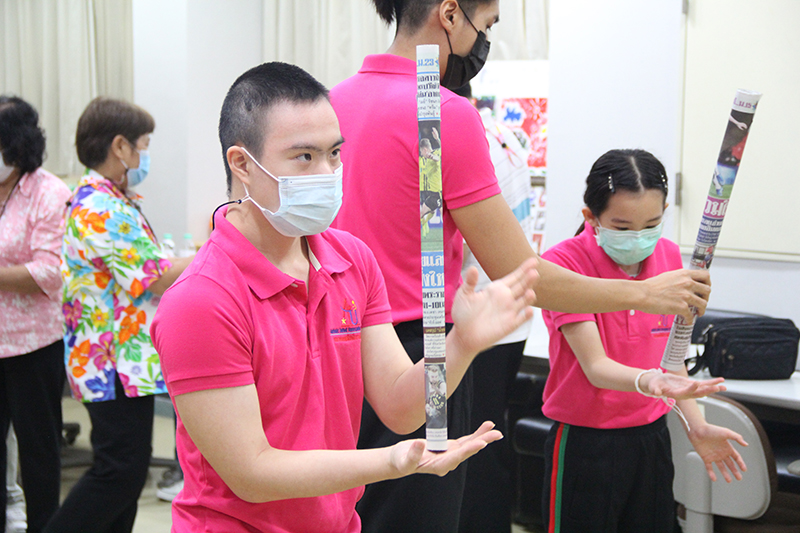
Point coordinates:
[[187, 249], [168, 245]]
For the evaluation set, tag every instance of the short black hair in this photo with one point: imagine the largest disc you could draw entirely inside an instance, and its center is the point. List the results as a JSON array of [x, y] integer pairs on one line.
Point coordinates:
[[242, 119], [102, 120], [412, 14], [22, 141]]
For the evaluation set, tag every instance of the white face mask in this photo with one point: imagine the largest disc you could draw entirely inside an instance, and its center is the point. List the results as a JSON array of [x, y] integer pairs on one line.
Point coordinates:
[[5, 170], [308, 203]]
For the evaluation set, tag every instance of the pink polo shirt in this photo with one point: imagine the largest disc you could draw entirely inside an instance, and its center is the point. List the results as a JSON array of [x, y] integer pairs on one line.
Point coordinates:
[[631, 337], [31, 230], [377, 110], [233, 319]]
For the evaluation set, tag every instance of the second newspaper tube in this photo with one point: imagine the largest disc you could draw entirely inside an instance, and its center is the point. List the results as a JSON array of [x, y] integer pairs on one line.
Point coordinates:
[[730, 154]]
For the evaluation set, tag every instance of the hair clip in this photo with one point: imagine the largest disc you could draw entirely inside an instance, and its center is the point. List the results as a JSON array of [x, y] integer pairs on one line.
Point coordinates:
[[610, 184], [664, 182]]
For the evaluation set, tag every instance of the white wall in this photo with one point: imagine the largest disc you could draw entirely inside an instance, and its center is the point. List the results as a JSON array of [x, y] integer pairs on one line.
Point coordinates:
[[225, 40], [186, 56], [160, 85], [615, 82]]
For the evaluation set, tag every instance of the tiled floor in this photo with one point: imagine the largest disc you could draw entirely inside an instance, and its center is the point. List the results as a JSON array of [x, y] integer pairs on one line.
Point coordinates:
[[153, 515]]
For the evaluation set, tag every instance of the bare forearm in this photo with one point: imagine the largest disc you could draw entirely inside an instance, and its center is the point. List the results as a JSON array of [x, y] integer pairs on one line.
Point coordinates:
[[563, 290], [493, 235], [498, 243], [609, 374], [601, 371], [496, 239], [238, 450], [18, 279], [673, 292], [281, 474]]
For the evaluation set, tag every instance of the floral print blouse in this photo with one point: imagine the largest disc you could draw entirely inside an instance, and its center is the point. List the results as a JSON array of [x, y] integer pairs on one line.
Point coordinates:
[[31, 229], [110, 257]]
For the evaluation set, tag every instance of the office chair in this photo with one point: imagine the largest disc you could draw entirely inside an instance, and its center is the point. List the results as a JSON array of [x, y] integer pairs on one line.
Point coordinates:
[[750, 505]]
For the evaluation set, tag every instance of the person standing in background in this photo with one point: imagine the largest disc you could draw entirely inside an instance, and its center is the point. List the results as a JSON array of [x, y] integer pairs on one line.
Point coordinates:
[[378, 117], [114, 272], [489, 489], [32, 203]]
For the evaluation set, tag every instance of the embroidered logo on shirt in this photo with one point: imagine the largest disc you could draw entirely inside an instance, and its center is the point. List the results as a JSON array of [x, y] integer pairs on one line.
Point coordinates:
[[662, 328], [349, 327]]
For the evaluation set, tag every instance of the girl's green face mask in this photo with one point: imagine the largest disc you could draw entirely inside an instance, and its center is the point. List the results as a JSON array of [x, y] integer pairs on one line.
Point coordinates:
[[628, 247]]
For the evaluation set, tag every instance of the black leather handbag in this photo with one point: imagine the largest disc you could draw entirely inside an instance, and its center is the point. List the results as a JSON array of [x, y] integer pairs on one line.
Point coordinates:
[[751, 347]]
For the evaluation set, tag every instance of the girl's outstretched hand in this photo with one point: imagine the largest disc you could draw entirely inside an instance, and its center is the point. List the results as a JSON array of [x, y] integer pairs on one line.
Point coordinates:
[[680, 387], [482, 318], [411, 457], [713, 445]]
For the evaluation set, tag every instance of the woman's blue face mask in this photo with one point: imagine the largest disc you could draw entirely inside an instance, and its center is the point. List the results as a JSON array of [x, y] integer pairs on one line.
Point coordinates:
[[138, 174], [628, 247]]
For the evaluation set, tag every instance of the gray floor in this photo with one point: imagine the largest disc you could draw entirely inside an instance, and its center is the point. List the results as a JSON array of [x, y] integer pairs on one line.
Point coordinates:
[[154, 515]]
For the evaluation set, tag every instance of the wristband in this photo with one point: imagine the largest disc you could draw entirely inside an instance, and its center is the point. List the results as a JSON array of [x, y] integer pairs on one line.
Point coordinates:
[[669, 401], [638, 377]]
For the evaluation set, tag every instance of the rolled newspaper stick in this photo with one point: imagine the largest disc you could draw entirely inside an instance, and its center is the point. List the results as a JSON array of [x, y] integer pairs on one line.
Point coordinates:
[[432, 245], [730, 154]]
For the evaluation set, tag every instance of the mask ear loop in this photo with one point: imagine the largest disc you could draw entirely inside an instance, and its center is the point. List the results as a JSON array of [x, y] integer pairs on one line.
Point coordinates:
[[214, 215], [448, 40], [467, 17], [240, 200], [468, 20]]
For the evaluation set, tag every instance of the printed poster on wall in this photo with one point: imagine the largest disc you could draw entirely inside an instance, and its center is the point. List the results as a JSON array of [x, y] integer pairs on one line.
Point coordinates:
[[516, 93]]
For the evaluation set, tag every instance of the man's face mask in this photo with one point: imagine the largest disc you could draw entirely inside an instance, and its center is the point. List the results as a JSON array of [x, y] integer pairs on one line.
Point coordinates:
[[462, 69], [308, 203]]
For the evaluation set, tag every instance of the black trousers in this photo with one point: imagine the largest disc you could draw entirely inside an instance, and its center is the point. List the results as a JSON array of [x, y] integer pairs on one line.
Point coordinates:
[[30, 398], [104, 499], [421, 502], [489, 491], [609, 480]]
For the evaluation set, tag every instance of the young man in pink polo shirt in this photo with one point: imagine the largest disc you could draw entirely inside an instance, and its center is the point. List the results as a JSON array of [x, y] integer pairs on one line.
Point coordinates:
[[281, 326]]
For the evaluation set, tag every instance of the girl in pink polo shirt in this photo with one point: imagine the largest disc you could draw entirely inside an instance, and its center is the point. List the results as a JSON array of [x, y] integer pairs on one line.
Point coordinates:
[[608, 465]]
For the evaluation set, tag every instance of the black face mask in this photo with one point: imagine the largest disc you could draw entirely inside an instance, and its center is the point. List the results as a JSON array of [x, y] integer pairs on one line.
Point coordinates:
[[462, 69]]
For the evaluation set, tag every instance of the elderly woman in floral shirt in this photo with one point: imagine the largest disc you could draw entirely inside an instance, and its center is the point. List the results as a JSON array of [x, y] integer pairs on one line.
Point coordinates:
[[113, 271]]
